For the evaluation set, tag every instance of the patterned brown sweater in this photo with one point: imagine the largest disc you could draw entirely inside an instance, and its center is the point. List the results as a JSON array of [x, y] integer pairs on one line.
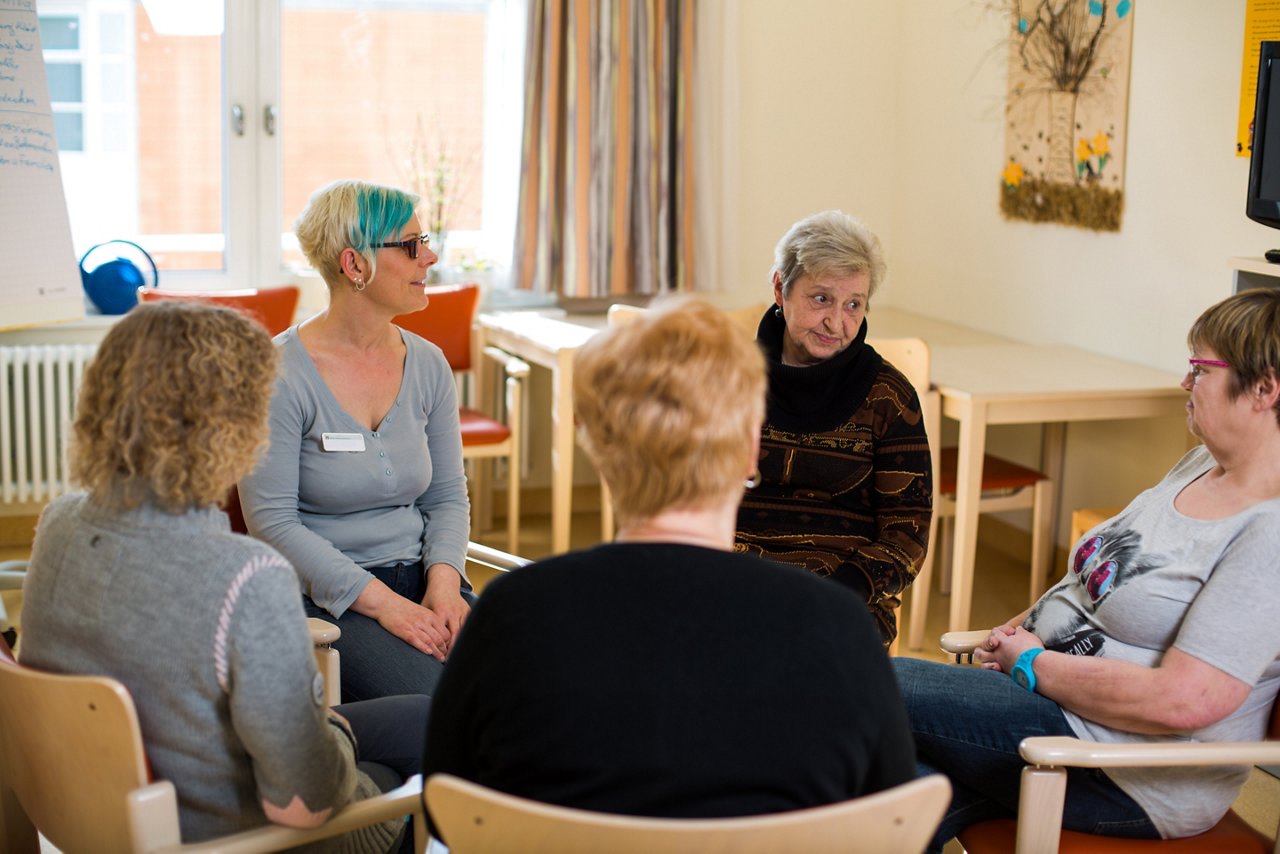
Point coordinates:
[[845, 488]]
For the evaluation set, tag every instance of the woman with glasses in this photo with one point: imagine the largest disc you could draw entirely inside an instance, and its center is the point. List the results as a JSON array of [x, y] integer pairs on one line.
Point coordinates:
[[1163, 626], [844, 486], [362, 487]]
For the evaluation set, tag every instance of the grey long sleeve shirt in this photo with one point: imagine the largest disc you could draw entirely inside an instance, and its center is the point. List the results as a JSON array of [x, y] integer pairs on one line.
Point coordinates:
[[399, 494]]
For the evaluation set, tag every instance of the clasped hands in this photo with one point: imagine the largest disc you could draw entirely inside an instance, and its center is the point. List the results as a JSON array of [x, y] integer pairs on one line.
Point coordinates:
[[431, 626], [1002, 647]]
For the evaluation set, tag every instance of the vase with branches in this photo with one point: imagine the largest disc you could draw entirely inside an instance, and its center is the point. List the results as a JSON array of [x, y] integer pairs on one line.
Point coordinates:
[[441, 176]]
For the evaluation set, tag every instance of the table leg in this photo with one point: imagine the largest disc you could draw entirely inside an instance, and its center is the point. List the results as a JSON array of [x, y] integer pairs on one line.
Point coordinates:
[[485, 391], [973, 440], [1053, 449], [561, 452]]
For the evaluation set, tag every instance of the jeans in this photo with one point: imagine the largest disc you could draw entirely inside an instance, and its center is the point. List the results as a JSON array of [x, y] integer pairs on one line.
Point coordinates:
[[373, 662], [390, 733], [968, 723]]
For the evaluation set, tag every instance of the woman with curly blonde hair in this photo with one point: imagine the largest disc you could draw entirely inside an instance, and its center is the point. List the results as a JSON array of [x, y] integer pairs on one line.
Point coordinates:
[[142, 580], [175, 412]]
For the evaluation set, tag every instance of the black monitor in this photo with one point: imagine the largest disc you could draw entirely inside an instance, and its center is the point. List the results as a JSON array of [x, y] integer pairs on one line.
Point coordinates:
[[1263, 204]]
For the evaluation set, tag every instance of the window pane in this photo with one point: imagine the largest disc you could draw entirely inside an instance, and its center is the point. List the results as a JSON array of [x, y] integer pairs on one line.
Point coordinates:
[[115, 34], [69, 128], [115, 83], [143, 159], [65, 83], [115, 133], [59, 32], [397, 99]]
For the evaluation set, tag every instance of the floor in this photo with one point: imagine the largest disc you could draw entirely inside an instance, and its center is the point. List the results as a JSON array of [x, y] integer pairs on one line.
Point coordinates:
[[1000, 585]]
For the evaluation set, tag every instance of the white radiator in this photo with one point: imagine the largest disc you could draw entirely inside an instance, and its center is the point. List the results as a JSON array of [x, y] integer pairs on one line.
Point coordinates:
[[38, 389]]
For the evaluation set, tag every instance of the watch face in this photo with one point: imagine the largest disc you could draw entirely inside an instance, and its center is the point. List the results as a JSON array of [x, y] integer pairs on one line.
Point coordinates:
[[1020, 676]]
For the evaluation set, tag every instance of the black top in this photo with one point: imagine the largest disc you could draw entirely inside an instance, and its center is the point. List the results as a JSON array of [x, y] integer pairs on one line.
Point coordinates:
[[814, 398], [670, 680]]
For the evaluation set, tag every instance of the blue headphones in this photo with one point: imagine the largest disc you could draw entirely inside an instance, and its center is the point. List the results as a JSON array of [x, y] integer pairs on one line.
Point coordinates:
[[112, 286]]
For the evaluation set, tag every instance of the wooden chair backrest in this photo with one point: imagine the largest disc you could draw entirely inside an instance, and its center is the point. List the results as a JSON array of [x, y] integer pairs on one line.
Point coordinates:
[[70, 752], [474, 818], [620, 314], [909, 355], [746, 318], [273, 307], [447, 322]]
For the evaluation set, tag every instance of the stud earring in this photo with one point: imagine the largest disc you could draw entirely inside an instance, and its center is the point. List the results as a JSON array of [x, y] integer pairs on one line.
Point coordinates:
[[777, 311], [753, 480]]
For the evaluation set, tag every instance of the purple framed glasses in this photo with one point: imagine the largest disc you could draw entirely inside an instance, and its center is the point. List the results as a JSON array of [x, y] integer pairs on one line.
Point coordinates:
[[1198, 365]]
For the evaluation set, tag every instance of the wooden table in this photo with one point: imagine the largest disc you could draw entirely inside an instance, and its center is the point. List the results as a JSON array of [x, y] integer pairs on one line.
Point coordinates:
[[987, 379], [983, 379], [549, 339]]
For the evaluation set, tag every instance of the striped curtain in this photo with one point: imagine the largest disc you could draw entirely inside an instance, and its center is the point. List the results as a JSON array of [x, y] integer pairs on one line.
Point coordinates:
[[606, 187]]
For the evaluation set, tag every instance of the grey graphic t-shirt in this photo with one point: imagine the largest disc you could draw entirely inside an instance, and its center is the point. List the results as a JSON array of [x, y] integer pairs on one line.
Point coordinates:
[[1152, 578]]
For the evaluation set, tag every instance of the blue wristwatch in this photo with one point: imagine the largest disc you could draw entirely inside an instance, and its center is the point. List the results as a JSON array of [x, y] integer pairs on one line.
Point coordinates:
[[1023, 672]]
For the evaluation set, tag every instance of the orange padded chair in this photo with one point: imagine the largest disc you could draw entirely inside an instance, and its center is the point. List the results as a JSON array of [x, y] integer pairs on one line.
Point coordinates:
[[1037, 829], [448, 321], [272, 307]]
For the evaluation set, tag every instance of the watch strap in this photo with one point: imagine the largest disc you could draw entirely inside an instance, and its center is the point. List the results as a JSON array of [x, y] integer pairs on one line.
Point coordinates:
[[1023, 670]]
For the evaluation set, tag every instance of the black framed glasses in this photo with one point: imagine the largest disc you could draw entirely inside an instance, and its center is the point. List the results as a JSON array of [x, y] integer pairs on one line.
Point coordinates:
[[409, 246]]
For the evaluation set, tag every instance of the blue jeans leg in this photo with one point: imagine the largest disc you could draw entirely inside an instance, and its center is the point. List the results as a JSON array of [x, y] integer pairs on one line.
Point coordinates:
[[968, 723], [390, 731], [374, 662]]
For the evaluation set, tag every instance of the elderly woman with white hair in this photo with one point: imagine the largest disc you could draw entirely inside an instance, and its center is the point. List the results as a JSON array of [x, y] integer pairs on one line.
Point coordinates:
[[844, 485]]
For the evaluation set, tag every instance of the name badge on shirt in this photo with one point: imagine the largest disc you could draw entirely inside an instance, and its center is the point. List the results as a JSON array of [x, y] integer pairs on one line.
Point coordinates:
[[351, 442]]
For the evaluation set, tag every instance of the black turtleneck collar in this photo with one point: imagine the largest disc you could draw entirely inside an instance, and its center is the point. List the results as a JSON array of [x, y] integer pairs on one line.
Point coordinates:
[[818, 397]]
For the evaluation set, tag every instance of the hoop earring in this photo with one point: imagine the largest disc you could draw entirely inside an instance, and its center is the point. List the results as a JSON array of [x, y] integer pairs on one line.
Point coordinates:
[[753, 480], [359, 280]]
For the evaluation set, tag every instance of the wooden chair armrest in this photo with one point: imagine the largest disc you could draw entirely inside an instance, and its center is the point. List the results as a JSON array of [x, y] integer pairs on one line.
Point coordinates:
[[323, 632], [512, 366], [494, 558], [961, 644], [12, 573], [1063, 751], [401, 801]]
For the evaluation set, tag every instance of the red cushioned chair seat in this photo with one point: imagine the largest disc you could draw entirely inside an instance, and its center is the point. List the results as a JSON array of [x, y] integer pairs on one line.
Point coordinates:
[[480, 429], [1229, 836], [997, 474]]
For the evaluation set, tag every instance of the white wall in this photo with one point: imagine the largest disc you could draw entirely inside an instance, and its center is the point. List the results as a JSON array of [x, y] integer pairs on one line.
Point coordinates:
[[892, 111]]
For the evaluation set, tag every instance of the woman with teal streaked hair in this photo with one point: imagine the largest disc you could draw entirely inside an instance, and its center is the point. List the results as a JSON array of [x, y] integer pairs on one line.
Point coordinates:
[[362, 488]]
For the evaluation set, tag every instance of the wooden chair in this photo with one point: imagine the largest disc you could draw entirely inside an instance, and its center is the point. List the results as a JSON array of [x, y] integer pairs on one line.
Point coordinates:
[[449, 322], [911, 357], [474, 819], [274, 307], [1005, 486], [12, 573], [1038, 828], [72, 767]]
